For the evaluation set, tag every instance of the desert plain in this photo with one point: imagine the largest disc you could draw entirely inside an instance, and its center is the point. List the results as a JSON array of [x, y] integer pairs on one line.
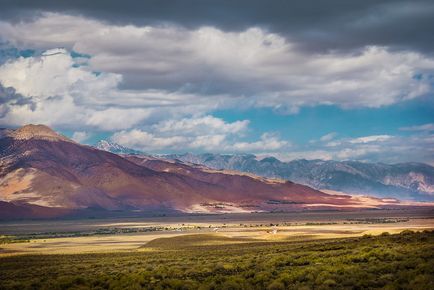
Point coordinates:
[[133, 234]]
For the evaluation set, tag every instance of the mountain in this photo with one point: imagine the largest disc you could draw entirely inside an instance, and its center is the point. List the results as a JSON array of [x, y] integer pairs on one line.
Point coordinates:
[[45, 174], [411, 181], [115, 148]]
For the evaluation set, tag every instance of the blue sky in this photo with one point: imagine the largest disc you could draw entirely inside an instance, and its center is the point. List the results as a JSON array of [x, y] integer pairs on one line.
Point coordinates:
[[314, 122], [172, 82]]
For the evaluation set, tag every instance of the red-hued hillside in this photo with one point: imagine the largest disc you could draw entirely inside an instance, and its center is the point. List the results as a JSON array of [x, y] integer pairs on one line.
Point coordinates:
[[241, 186], [40, 167]]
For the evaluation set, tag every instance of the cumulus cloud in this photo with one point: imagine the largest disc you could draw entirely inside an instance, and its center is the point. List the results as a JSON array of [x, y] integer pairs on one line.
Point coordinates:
[[80, 136], [253, 67], [268, 142], [156, 86], [145, 141], [201, 126], [56, 90], [205, 133]]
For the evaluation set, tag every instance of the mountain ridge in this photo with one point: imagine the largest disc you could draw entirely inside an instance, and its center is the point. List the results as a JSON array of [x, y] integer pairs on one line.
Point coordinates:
[[31, 131], [45, 171], [402, 180], [410, 180]]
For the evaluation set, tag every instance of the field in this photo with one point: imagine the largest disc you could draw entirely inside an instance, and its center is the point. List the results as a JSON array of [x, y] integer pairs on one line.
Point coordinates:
[[205, 261], [309, 250]]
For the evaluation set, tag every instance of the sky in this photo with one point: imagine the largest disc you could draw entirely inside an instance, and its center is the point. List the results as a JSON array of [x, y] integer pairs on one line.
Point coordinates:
[[333, 80]]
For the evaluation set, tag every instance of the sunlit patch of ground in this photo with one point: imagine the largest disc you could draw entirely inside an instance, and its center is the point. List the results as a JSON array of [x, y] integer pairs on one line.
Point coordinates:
[[74, 245], [200, 208], [16, 184], [371, 202]]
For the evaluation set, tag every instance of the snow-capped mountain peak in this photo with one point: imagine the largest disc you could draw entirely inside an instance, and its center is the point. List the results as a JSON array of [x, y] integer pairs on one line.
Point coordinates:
[[115, 148]]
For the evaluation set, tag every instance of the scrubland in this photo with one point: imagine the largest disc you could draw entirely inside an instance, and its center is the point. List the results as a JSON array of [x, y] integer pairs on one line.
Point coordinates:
[[359, 250], [209, 261]]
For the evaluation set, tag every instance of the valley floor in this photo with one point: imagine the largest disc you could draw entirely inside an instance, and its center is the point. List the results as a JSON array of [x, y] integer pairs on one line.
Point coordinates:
[[305, 250], [107, 235]]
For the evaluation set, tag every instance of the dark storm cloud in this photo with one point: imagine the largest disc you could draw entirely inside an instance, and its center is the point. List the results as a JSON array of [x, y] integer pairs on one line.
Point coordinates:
[[8, 97], [314, 25]]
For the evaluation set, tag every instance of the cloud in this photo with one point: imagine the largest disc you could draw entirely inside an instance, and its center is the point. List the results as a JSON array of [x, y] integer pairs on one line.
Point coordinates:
[[386, 148], [54, 74], [202, 132], [156, 80], [375, 148], [314, 25], [268, 142], [145, 141], [370, 139], [80, 136], [201, 126], [205, 133], [328, 137], [53, 89], [10, 98], [294, 155], [359, 140], [426, 127], [220, 69]]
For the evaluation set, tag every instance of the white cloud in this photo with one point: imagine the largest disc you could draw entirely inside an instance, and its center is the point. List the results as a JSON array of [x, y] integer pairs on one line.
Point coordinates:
[[359, 140], [80, 136], [369, 139], [268, 142], [54, 75], [425, 127], [254, 67], [207, 142], [145, 141], [362, 147], [205, 133], [64, 94], [152, 142], [201, 125], [116, 118], [328, 137], [357, 153], [156, 85], [375, 148], [292, 155]]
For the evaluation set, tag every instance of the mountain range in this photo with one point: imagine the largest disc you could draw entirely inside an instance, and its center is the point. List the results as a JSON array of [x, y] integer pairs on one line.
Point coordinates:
[[44, 174], [407, 181]]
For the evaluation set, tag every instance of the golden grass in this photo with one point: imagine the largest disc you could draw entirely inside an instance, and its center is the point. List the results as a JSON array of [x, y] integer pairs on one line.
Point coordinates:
[[194, 240]]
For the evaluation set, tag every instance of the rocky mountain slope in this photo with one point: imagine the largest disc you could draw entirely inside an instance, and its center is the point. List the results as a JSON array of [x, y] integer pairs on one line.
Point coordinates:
[[413, 181], [40, 168]]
